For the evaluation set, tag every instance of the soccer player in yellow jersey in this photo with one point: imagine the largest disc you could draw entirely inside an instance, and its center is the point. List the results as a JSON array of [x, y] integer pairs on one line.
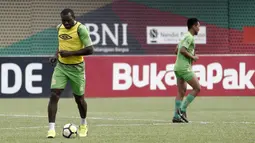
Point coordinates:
[[74, 43]]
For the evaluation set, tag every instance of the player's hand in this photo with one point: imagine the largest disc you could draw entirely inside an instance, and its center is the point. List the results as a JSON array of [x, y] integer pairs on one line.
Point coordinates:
[[52, 60], [64, 53], [195, 58]]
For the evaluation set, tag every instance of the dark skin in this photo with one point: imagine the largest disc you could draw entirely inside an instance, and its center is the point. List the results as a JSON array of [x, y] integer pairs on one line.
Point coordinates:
[[68, 21]]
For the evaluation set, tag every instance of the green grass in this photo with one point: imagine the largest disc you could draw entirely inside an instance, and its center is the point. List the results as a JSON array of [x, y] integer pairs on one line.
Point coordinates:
[[132, 120]]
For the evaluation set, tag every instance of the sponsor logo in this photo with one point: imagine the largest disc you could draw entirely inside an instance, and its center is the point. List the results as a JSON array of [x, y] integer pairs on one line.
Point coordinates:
[[65, 37], [109, 37], [172, 34], [148, 76]]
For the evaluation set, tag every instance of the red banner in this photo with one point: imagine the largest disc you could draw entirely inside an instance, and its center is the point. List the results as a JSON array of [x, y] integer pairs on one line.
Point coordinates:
[[141, 76]]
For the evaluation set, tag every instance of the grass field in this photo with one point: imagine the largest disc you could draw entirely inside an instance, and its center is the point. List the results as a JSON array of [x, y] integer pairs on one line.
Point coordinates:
[[132, 120]]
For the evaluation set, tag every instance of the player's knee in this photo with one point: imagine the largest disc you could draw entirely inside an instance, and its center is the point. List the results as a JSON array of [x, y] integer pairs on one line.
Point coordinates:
[[184, 91], [55, 94], [78, 99], [197, 89]]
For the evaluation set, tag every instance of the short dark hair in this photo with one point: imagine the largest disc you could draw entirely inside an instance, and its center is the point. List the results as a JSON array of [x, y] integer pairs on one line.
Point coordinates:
[[191, 22], [67, 11]]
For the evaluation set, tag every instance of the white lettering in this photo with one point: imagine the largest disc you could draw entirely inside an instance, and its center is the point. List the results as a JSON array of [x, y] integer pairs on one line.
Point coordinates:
[[230, 80], [93, 32], [118, 76], [156, 79], [105, 29], [211, 79], [113, 35], [30, 78], [170, 78], [200, 72], [5, 88], [136, 76], [209, 76], [124, 35], [245, 79]]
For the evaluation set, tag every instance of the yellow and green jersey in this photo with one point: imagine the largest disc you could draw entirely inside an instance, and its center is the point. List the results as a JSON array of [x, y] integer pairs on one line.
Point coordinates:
[[183, 63], [73, 39]]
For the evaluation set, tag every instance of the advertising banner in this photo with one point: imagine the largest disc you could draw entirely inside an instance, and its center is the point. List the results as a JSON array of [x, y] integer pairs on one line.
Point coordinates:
[[130, 76], [142, 76], [26, 77], [172, 34]]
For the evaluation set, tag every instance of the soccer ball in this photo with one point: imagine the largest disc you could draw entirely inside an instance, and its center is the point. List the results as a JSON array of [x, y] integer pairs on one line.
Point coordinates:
[[69, 131]]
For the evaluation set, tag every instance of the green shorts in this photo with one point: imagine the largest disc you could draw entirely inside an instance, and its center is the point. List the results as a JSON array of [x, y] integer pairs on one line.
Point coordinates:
[[186, 75], [75, 74]]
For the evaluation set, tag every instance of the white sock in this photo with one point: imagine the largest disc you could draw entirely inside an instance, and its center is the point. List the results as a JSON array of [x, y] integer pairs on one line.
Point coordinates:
[[51, 126], [83, 121]]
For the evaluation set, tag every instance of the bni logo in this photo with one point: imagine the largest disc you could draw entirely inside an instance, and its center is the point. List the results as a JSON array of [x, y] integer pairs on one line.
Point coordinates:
[[153, 35]]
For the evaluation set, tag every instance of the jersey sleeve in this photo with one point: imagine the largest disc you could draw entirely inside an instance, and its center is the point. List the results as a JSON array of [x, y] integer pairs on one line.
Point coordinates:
[[58, 26], [84, 36], [187, 42]]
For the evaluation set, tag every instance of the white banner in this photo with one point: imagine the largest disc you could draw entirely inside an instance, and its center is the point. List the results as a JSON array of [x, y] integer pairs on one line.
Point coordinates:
[[172, 34]]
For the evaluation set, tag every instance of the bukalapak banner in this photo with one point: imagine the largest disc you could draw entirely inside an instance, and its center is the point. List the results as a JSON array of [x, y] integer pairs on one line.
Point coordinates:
[[130, 76], [143, 76]]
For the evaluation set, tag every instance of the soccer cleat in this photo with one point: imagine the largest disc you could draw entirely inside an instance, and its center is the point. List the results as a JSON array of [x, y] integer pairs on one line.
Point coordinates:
[[51, 134], [83, 130], [177, 120], [182, 115]]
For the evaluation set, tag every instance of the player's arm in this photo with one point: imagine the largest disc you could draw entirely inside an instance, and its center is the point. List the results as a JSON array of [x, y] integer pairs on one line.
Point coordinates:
[[55, 56], [83, 52], [184, 50], [176, 50], [85, 38]]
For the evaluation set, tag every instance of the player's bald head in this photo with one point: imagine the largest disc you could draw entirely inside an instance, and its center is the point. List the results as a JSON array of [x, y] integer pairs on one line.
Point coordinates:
[[66, 12], [68, 18]]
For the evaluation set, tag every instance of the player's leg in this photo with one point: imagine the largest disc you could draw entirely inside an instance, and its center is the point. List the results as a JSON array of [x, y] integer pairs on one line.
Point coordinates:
[[192, 80], [58, 83], [52, 111], [182, 87], [82, 106], [77, 80]]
